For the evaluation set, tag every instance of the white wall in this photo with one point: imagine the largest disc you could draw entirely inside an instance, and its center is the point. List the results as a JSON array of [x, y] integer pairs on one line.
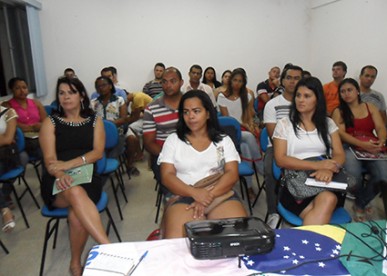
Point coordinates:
[[133, 35], [354, 31]]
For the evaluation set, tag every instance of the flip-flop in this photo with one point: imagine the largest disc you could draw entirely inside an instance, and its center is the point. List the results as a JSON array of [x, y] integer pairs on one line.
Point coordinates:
[[10, 223]]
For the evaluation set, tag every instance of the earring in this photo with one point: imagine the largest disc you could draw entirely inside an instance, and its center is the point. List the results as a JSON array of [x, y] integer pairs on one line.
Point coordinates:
[[82, 105], [59, 107]]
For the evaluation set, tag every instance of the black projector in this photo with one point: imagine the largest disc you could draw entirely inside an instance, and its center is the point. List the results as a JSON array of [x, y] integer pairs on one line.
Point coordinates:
[[223, 238]]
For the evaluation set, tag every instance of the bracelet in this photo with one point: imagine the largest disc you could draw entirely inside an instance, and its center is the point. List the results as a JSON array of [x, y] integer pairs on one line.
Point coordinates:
[[84, 160]]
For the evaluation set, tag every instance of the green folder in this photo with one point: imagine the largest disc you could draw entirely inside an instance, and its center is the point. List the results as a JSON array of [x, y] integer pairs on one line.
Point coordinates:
[[80, 175]]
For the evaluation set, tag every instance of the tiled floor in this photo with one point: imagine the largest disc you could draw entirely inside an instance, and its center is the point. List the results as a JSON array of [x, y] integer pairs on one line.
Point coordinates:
[[25, 245]]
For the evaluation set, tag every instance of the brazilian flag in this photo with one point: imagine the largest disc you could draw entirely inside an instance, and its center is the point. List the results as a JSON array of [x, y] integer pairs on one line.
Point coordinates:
[[364, 248]]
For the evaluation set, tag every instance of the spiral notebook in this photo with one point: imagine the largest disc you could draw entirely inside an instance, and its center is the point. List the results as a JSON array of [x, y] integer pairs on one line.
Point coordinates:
[[103, 260], [80, 175]]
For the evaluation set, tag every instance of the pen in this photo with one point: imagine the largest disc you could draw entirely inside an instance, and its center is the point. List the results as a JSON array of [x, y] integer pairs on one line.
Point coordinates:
[[139, 261]]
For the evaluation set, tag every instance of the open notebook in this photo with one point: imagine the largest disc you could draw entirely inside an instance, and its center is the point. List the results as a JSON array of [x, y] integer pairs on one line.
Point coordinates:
[[364, 155]]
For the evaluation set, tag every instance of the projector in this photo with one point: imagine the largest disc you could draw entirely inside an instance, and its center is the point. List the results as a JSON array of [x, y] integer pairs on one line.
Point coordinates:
[[223, 238]]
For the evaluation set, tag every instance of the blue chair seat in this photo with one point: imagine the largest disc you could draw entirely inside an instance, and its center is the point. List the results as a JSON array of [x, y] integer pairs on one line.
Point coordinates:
[[61, 213], [244, 169], [12, 173], [340, 216], [111, 165]]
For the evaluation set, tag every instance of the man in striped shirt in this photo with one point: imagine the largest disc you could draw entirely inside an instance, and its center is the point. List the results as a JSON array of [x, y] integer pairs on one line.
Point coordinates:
[[276, 109], [161, 116]]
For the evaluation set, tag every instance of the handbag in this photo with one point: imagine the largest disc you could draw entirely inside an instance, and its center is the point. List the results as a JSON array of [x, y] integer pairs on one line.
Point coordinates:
[[295, 180], [205, 182]]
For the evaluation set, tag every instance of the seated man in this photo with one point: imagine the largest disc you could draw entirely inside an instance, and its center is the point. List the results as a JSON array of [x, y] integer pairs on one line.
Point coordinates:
[[368, 95], [331, 94], [268, 89], [154, 87], [138, 102], [160, 116], [195, 74]]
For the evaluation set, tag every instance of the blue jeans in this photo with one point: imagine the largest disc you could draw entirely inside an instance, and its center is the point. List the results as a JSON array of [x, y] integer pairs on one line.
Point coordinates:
[[378, 174], [251, 150]]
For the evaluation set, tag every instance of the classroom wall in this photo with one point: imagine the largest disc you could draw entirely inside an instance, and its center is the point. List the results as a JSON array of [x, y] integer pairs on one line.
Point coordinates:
[[353, 31], [133, 35]]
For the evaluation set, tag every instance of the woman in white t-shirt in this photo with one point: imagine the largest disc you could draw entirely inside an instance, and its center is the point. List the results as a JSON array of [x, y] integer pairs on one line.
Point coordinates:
[[237, 102], [197, 150], [308, 132], [8, 124]]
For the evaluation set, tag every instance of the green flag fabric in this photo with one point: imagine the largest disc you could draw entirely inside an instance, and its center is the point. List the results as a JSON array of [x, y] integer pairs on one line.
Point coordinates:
[[365, 246]]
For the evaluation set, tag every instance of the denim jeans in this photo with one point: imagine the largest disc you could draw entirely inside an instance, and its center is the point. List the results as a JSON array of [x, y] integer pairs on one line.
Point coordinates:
[[251, 150], [377, 169]]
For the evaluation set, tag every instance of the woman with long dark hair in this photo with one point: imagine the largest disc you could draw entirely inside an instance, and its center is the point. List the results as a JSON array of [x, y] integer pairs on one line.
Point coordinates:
[[357, 123], [197, 150], [308, 132], [209, 78], [237, 102], [73, 136]]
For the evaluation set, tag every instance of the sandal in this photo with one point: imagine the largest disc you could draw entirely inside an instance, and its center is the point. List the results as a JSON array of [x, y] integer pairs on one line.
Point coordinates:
[[360, 214], [369, 209], [8, 224]]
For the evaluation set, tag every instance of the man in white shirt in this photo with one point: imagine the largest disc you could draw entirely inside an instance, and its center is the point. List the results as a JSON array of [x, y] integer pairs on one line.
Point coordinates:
[[195, 74], [275, 109]]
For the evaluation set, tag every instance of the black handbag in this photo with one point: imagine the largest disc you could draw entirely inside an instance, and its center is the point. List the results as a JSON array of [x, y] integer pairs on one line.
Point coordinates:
[[294, 180]]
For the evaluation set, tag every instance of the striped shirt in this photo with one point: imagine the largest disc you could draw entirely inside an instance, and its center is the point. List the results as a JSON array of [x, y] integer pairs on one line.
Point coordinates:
[[374, 97], [276, 109], [153, 88], [161, 119]]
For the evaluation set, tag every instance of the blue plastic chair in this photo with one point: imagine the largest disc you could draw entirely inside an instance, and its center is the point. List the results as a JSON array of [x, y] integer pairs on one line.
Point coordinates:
[[339, 216], [49, 109], [18, 173], [112, 164], [243, 167], [62, 213], [264, 141]]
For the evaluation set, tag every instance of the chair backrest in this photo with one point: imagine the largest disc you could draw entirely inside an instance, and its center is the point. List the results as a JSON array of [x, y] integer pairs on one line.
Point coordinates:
[[101, 164], [111, 132], [20, 142], [226, 122], [48, 109], [276, 171], [264, 139], [256, 104]]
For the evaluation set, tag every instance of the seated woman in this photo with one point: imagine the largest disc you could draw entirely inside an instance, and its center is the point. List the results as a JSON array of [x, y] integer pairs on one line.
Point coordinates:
[[67, 141], [198, 149], [209, 78], [357, 120], [308, 132], [8, 118], [225, 79], [238, 103], [110, 107], [31, 113]]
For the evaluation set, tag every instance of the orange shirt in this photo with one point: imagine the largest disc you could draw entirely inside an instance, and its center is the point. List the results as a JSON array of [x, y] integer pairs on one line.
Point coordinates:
[[331, 96]]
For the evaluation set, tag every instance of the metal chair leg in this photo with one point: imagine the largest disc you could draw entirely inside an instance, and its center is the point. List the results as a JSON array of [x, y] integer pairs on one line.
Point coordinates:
[[4, 248]]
